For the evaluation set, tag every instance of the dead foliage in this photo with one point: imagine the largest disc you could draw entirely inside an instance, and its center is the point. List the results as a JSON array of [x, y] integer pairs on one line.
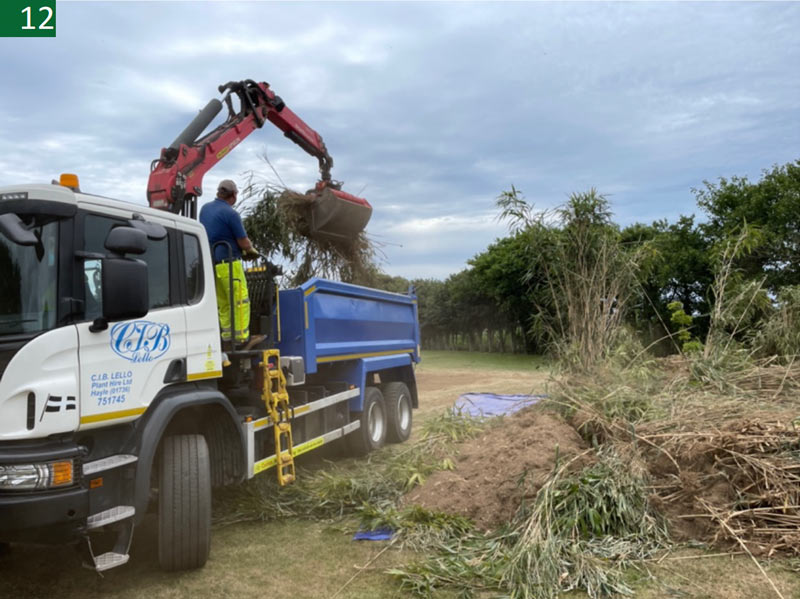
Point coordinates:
[[578, 528], [349, 260], [735, 482], [768, 377], [724, 467], [278, 221]]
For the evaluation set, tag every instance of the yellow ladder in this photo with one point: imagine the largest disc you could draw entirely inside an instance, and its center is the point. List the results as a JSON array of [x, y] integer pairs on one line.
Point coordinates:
[[276, 398]]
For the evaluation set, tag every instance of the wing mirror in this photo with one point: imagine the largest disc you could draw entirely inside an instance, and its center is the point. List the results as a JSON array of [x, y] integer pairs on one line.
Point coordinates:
[[126, 240], [124, 286], [153, 231], [12, 228]]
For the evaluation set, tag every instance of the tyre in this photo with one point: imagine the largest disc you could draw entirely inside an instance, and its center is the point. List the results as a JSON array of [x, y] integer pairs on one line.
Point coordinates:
[[371, 435], [184, 502], [397, 398]]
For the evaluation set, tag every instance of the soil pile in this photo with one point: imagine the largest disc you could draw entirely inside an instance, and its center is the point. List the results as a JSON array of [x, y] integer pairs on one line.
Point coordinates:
[[486, 483]]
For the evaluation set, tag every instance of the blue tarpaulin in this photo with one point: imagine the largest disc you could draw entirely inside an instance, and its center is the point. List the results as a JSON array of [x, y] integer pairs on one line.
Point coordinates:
[[494, 404], [379, 534]]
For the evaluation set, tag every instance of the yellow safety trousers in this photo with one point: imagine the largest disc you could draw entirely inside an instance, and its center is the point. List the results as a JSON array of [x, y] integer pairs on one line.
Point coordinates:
[[241, 300]]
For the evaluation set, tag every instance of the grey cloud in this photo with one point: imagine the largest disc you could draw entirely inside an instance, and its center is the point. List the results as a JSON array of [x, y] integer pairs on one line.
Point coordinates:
[[431, 109]]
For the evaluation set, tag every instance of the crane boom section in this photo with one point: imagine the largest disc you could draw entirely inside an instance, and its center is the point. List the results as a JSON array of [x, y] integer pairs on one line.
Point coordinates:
[[176, 177]]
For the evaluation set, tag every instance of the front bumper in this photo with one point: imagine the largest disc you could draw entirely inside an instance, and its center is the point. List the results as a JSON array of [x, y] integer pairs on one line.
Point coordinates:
[[52, 516], [49, 517]]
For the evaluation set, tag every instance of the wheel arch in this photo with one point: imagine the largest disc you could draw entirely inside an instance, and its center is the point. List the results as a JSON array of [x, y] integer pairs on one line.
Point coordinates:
[[402, 374], [184, 410]]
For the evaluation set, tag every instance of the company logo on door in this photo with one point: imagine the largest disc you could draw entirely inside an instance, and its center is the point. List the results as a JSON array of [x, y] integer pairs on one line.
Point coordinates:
[[140, 340]]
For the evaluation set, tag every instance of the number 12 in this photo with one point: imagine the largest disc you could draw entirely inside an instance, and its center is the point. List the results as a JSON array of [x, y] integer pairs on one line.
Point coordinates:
[[44, 25]]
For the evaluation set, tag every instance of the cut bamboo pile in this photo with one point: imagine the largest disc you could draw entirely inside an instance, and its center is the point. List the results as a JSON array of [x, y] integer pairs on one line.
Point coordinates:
[[759, 460]]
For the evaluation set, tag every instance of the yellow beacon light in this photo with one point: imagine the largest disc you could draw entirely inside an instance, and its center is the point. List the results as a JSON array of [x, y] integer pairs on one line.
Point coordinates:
[[69, 180]]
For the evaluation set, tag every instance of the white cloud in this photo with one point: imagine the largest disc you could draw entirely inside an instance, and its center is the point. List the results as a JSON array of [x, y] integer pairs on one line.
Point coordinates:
[[431, 109], [423, 270], [447, 225], [442, 244]]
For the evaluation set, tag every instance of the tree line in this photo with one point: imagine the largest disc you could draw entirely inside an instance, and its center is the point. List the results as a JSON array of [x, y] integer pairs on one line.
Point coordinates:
[[557, 274]]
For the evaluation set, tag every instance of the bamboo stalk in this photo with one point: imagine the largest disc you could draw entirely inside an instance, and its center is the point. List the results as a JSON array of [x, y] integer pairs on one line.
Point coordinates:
[[744, 547]]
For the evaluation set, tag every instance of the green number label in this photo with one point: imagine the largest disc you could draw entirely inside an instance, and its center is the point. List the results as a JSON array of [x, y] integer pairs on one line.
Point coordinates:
[[27, 18]]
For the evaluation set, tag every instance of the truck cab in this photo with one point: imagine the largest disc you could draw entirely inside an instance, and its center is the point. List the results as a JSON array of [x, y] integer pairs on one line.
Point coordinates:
[[116, 396]]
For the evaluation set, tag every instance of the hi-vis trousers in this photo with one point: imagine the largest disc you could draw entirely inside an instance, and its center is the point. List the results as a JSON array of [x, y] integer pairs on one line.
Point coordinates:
[[241, 300]]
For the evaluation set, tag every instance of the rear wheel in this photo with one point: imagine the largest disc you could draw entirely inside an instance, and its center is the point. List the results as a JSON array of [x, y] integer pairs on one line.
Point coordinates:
[[371, 435], [184, 502], [397, 398]]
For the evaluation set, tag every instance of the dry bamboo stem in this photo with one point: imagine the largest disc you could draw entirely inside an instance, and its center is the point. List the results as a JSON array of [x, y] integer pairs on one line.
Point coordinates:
[[744, 547]]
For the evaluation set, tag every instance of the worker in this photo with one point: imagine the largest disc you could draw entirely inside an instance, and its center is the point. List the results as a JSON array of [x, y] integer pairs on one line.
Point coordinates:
[[224, 224]]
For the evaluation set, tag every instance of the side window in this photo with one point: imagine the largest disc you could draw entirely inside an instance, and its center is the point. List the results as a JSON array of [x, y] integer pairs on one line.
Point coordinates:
[[156, 256], [193, 263], [93, 294]]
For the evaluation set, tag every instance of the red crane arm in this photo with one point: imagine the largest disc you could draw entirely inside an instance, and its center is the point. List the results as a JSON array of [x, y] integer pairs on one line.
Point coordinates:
[[176, 177]]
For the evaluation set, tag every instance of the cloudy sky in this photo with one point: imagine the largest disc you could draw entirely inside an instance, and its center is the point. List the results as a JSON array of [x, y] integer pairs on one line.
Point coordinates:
[[429, 110]]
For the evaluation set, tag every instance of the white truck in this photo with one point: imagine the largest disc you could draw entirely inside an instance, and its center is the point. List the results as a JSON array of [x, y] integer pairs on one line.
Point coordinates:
[[116, 397]]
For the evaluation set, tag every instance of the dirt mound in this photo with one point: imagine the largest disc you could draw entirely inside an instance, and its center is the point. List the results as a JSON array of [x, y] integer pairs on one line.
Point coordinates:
[[485, 485]]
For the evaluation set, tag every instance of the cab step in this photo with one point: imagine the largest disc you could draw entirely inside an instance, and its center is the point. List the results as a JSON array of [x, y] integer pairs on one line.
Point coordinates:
[[111, 559], [112, 461], [109, 516], [120, 554]]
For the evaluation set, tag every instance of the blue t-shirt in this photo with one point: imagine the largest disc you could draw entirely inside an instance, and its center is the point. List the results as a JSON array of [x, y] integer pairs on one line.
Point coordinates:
[[222, 223]]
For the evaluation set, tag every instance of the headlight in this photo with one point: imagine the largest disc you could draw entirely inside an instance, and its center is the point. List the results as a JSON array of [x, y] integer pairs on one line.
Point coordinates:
[[25, 477]]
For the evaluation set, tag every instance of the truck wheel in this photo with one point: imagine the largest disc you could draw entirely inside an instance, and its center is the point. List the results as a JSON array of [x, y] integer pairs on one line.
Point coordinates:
[[397, 398], [184, 502], [371, 435]]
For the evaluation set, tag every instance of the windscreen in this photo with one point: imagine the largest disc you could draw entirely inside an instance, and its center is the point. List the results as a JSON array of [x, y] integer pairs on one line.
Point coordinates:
[[29, 278]]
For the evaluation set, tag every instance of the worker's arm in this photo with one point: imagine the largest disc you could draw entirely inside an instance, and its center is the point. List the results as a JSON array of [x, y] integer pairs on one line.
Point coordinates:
[[242, 239], [248, 251]]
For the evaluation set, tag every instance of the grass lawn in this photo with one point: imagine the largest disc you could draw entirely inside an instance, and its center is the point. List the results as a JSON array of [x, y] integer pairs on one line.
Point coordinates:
[[462, 360], [288, 559], [303, 558]]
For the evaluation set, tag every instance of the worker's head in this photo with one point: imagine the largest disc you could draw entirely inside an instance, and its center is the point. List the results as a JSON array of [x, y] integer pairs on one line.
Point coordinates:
[[227, 191]]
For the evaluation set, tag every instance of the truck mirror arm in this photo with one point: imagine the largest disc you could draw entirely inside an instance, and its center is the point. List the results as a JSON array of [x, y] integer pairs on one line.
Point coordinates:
[[98, 325]]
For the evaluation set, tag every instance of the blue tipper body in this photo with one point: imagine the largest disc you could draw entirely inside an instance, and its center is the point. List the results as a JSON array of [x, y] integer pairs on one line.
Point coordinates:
[[347, 330]]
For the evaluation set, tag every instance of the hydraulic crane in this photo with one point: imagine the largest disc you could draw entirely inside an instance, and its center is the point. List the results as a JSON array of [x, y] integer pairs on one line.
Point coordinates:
[[176, 177]]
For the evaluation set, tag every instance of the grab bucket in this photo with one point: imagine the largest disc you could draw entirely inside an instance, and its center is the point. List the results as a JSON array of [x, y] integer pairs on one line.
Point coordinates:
[[337, 215]]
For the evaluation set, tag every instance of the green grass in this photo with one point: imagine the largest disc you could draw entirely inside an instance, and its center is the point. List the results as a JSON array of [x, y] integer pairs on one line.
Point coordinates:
[[290, 559], [345, 486], [310, 556], [462, 360], [581, 531], [293, 542]]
